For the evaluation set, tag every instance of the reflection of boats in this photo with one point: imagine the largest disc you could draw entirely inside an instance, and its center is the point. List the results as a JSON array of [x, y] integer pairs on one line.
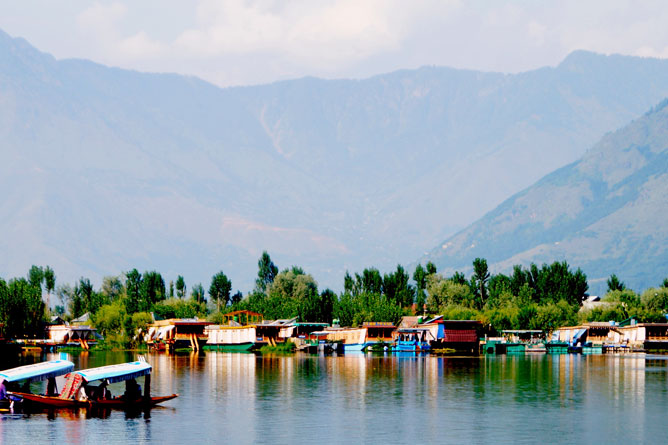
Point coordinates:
[[37, 372], [412, 340], [71, 396]]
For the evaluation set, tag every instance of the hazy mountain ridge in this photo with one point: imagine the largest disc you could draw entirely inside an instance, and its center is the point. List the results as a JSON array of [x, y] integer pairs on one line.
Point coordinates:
[[105, 169], [604, 213]]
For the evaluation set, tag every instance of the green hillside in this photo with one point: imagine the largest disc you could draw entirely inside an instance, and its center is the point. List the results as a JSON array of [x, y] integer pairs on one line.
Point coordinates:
[[605, 213]]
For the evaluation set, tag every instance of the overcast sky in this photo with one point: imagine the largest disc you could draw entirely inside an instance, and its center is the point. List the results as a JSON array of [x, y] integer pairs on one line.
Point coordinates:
[[240, 42]]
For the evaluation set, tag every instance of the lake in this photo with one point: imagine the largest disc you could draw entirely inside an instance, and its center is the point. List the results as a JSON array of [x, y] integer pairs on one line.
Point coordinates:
[[248, 398]]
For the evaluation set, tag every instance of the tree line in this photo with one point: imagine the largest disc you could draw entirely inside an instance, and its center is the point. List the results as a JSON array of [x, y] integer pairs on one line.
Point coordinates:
[[536, 297]]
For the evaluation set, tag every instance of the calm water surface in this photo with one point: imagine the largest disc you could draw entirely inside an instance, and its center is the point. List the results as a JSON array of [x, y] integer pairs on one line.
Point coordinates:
[[244, 398]]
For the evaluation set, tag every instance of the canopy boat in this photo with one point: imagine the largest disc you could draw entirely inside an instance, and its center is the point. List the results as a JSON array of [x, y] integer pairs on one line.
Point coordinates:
[[412, 340], [27, 374], [78, 391]]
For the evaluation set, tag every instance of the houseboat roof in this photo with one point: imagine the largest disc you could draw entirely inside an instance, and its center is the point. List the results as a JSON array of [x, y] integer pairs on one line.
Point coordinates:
[[312, 324], [377, 324], [182, 322], [523, 331], [646, 325], [281, 322], [37, 372], [116, 373], [412, 329]]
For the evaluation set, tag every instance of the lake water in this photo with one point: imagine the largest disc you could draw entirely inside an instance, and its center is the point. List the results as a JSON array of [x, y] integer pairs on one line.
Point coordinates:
[[386, 399]]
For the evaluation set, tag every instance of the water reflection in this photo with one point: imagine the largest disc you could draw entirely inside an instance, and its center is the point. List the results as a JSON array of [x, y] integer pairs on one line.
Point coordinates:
[[249, 398]]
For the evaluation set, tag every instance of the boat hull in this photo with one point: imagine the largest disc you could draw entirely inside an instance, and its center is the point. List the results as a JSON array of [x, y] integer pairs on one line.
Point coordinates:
[[57, 402]]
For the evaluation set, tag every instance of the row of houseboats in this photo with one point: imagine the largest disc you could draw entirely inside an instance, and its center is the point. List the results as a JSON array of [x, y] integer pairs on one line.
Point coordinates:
[[86, 388], [245, 331]]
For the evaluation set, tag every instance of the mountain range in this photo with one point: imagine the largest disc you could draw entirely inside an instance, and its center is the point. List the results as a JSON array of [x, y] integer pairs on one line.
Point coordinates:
[[103, 170], [605, 213]]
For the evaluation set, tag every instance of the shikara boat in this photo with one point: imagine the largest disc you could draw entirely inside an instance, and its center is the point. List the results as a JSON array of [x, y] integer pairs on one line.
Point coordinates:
[[37, 372], [124, 372]]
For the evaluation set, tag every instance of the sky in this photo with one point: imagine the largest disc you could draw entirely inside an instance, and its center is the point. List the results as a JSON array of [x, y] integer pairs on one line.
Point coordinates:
[[237, 42]]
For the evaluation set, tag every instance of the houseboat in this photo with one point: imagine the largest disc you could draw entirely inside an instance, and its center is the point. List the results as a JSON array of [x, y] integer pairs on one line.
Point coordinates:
[[412, 340], [379, 334], [641, 336], [307, 336], [458, 335], [176, 333], [246, 330], [351, 339]]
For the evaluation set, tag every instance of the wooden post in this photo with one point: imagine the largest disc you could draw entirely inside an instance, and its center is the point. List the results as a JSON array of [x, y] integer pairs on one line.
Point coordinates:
[[147, 387]]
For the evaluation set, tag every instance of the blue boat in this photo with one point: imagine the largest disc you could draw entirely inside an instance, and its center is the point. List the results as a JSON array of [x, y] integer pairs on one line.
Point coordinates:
[[27, 374], [412, 340], [78, 391]]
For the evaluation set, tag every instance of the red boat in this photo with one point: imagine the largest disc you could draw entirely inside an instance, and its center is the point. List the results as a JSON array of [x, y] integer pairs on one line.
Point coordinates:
[[116, 402]]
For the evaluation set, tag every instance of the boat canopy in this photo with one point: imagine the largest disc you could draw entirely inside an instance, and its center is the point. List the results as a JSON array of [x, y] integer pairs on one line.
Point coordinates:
[[38, 371], [116, 373]]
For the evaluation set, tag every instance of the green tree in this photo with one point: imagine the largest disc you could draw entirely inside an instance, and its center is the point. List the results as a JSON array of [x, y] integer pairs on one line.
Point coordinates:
[[459, 278], [152, 290], [109, 318], [36, 276], [180, 287], [266, 273], [197, 293], [65, 292], [220, 289], [420, 278], [480, 277], [615, 284], [430, 268], [87, 299], [49, 284], [133, 285], [444, 293], [112, 288], [396, 287], [21, 308], [237, 297]]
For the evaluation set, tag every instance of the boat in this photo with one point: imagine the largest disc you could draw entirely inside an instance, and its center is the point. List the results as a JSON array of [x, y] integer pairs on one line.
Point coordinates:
[[245, 331], [412, 340], [124, 372], [27, 374]]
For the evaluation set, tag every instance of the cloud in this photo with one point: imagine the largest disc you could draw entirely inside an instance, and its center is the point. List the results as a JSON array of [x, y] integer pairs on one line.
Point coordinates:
[[233, 42], [342, 31], [100, 21], [141, 45]]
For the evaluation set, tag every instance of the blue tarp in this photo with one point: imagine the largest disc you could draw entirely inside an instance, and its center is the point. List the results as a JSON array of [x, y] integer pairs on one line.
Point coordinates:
[[577, 336], [38, 371], [116, 373]]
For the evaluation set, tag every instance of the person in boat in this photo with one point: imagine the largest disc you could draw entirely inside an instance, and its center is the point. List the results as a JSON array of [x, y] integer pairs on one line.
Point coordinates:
[[3, 390], [132, 390], [103, 392], [82, 394], [51, 388]]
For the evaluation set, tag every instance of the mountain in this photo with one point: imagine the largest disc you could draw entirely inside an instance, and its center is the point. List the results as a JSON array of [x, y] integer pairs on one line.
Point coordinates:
[[103, 169], [605, 213]]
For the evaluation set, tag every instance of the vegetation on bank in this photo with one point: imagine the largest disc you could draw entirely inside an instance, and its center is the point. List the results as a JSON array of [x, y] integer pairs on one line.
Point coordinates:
[[544, 297]]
